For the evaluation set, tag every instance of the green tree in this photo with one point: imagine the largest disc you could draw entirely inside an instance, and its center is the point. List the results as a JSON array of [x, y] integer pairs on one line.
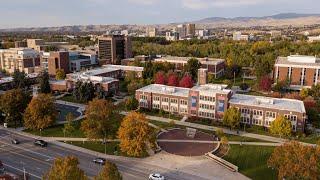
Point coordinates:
[[65, 168], [219, 132], [304, 93], [134, 134], [232, 117], [131, 103], [69, 126], [44, 84], [40, 113], [60, 74], [13, 104], [192, 67], [281, 126], [109, 172], [84, 91], [20, 80]]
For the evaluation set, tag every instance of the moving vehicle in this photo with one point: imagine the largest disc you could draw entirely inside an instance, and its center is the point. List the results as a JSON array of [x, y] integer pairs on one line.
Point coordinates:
[[156, 176], [41, 143], [15, 141], [101, 161]]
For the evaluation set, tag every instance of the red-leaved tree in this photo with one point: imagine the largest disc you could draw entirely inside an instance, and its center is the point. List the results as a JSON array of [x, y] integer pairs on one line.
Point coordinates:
[[160, 78], [265, 83], [186, 81], [173, 79]]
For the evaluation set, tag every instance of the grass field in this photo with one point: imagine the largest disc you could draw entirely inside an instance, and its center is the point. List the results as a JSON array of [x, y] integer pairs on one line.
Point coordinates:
[[57, 131], [252, 161]]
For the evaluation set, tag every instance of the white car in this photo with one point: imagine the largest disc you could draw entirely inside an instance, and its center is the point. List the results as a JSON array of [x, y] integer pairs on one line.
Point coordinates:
[[156, 176]]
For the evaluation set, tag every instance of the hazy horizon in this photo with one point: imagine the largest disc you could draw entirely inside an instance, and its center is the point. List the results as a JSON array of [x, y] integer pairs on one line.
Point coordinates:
[[46, 13]]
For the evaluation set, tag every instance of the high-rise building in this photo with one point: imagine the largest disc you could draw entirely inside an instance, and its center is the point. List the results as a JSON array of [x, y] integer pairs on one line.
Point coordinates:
[[114, 48], [181, 30], [22, 59], [58, 60], [190, 30], [151, 31]]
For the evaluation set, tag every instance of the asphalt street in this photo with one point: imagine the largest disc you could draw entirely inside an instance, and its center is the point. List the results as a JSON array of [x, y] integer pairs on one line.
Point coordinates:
[[36, 160]]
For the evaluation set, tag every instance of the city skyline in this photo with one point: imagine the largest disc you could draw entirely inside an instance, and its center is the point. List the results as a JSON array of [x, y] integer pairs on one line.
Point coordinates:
[[45, 13]]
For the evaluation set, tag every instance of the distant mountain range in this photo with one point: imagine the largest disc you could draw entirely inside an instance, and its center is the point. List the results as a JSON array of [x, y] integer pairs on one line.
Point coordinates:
[[283, 19]]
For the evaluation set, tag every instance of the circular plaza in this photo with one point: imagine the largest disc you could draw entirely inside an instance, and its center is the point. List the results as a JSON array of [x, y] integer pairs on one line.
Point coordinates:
[[186, 142]]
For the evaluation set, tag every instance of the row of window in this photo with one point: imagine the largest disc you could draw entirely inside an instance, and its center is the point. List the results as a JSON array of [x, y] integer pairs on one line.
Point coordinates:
[[206, 106], [247, 120], [291, 117], [207, 98], [172, 100], [173, 108], [206, 114], [268, 114]]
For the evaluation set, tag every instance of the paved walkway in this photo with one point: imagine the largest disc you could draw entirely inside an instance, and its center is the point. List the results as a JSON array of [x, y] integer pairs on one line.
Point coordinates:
[[230, 142], [212, 128]]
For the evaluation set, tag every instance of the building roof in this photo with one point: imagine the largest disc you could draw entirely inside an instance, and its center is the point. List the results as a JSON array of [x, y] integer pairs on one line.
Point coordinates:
[[125, 68], [174, 59], [167, 90], [98, 71], [212, 88], [267, 102], [298, 60]]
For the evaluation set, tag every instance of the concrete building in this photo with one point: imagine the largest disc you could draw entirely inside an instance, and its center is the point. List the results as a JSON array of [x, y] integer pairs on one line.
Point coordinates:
[[238, 36], [58, 60], [20, 44], [299, 71], [214, 66], [81, 60], [151, 32], [181, 29], [313, 38], [113, 48], [172, 36], [36, 44], [211, 101], [22, 59], [190, 30]]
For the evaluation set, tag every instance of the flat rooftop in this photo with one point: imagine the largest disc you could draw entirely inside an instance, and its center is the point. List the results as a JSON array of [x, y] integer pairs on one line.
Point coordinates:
[[210, 61], [212, 88], [125, 68], [267, 102], [166, 90], [298, 60]]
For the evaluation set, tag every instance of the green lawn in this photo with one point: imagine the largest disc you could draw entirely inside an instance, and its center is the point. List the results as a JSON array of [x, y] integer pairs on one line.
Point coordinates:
[[161, 114], [57, 131], [112, 148], [252, 161], [313, 139]]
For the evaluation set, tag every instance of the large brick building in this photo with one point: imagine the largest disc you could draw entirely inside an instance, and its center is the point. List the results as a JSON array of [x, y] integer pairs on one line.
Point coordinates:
[[299, 71], [211, 101], [214, 66], [58, 60]]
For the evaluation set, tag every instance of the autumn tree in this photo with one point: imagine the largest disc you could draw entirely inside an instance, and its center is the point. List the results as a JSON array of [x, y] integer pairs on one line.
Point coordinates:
[[131, 103], [13, 104], [232, 117], [60, 74], [294, 160], [20, 79], [281, 126], [109, 172], [65, 168], [186, 82], [304, 92], [44, 84], [265, 83], [69, 127], [160, 78], [192, 67], [40, 113], [173, 79], [134, 134], [100, 119]]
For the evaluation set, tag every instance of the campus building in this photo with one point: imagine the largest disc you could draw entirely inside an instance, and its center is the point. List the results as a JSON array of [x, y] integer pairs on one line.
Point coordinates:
[[113, 48], [22, 59], [82, 60], [58, 60], [215, 67], [299, 71], [211, 101]]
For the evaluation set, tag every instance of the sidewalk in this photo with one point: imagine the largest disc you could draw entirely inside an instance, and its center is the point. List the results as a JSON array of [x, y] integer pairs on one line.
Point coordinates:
[[212, 128], [230, 142]]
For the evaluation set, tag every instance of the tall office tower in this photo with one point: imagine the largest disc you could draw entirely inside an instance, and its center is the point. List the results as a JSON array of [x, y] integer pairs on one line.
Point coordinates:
[[114, 48], [151, 31], [190, 30], [181, 30]]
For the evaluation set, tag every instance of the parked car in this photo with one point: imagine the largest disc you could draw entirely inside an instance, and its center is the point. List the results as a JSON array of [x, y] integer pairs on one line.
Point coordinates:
[[101, 161], [15, 141], [39, 142], [156, 176], [1, 168]]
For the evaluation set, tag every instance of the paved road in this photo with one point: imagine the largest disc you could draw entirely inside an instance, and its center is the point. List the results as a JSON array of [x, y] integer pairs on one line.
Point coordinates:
[[37, 160]]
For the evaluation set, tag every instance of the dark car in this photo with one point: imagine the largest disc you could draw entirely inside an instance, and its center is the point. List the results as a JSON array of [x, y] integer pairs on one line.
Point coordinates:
[[100, 161], [15, 141], [41, 143]]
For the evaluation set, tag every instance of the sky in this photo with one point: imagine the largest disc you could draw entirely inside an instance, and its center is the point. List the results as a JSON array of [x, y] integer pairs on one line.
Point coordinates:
[[46, 13]]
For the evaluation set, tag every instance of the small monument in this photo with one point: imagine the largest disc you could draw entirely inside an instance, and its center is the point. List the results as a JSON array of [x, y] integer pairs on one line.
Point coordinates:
[[191, 132]]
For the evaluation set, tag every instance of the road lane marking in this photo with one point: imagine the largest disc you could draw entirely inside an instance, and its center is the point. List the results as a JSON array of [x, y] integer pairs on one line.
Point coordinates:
[[21, 170]]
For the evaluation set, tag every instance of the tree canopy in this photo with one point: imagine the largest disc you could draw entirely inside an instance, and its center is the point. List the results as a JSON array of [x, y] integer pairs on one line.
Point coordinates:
[[20, 80], [281, 126], [60, 74], [109, 172], [44, 85], [40, 113], [232, 117]]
